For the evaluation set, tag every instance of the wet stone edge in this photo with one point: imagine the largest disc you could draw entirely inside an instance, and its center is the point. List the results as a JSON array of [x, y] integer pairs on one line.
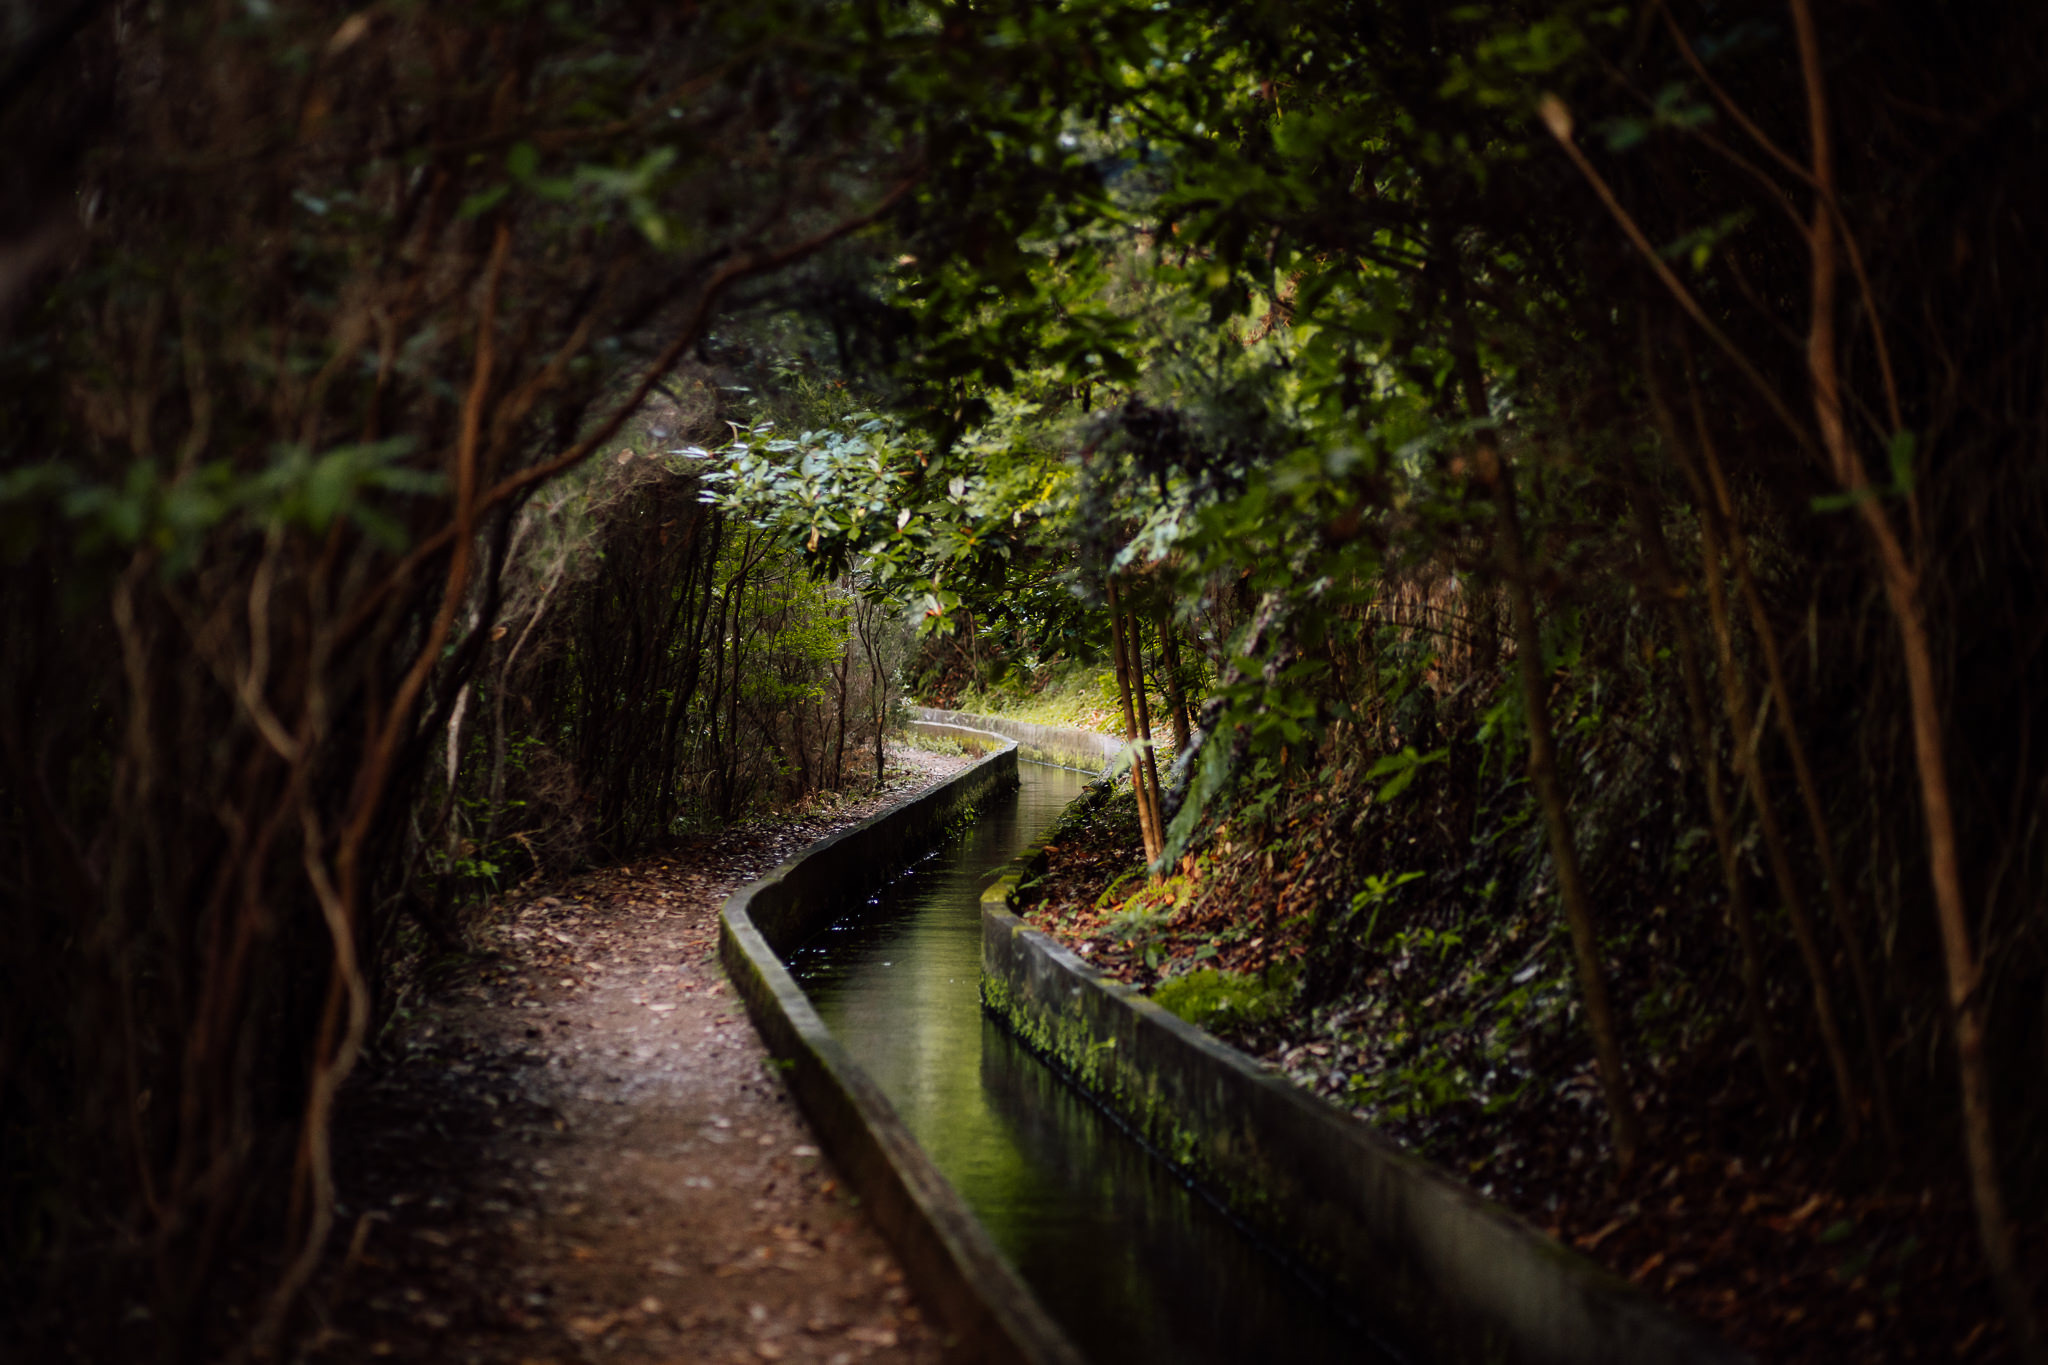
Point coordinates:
[[987, 1313]]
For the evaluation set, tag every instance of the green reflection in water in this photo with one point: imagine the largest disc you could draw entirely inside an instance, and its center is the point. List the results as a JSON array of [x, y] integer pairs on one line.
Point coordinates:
[[1134, 1266]]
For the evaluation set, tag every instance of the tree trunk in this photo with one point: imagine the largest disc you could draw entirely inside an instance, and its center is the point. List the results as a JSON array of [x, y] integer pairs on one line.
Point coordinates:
[[1485, 631], [839, 743], [456, 719], [1134, 643], [1571, 887], [865, 614], [1146, 832], [1901, 574], [704, 563], [1495, 468], [1176, 684], [497, 801]]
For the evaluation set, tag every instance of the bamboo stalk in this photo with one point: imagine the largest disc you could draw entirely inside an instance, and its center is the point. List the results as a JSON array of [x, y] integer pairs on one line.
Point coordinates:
[[1902, 584], [1176, 685], [1742, 718], [1123, 684], [1135, 640]]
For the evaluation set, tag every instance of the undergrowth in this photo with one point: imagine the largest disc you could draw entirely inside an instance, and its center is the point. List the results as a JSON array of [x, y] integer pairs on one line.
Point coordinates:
[[1395, 949], [1079, 696]]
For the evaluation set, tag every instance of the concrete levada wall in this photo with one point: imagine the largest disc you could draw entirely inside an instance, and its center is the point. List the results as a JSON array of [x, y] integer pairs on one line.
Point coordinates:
[[954, 1266], [1452, 1276]]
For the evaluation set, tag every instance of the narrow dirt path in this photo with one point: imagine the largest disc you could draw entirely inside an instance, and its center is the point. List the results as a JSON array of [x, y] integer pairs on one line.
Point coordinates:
[[579, 1150]]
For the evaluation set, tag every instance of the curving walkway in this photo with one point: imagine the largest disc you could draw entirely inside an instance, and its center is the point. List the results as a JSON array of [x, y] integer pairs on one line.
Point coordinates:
[[578, 1151]]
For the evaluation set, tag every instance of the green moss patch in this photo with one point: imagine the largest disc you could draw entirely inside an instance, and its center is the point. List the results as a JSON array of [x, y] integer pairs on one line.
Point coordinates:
[[1218, 1000]]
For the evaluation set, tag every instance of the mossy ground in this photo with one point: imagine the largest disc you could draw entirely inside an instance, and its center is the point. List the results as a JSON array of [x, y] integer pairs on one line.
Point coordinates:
[[1223, 1001], [1077, 695]]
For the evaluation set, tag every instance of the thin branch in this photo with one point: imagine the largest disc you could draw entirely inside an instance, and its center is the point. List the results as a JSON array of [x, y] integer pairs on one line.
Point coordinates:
[[1727, 102], [693, 326], [1824, 187], [1559, 120]]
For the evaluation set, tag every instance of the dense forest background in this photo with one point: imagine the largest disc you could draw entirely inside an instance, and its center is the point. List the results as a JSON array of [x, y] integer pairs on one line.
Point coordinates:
[[1561, 474]]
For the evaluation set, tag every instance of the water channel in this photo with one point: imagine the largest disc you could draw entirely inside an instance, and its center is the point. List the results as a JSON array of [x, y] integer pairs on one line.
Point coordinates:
[[1132, 1264]]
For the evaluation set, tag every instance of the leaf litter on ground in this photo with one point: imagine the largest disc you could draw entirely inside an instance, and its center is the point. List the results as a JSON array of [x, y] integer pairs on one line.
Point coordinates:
[[1799, 1262], [571, 1143]]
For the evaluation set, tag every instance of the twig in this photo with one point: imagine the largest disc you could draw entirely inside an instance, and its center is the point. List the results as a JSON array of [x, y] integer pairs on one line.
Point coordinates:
[[1559, 120]]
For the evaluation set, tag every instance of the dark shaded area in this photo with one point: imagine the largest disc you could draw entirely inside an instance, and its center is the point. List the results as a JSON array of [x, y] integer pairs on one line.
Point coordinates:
[[1762, 1245]]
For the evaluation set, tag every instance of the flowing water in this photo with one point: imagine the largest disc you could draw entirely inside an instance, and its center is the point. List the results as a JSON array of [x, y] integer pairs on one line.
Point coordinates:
[[1134, 1265]]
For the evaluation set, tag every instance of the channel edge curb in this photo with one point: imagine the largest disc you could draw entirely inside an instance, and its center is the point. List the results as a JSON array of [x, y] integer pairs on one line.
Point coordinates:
[[951, 1261]]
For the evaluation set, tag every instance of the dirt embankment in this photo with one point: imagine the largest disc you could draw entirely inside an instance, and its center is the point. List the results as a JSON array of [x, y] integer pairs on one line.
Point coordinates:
[[1799, 1260]]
